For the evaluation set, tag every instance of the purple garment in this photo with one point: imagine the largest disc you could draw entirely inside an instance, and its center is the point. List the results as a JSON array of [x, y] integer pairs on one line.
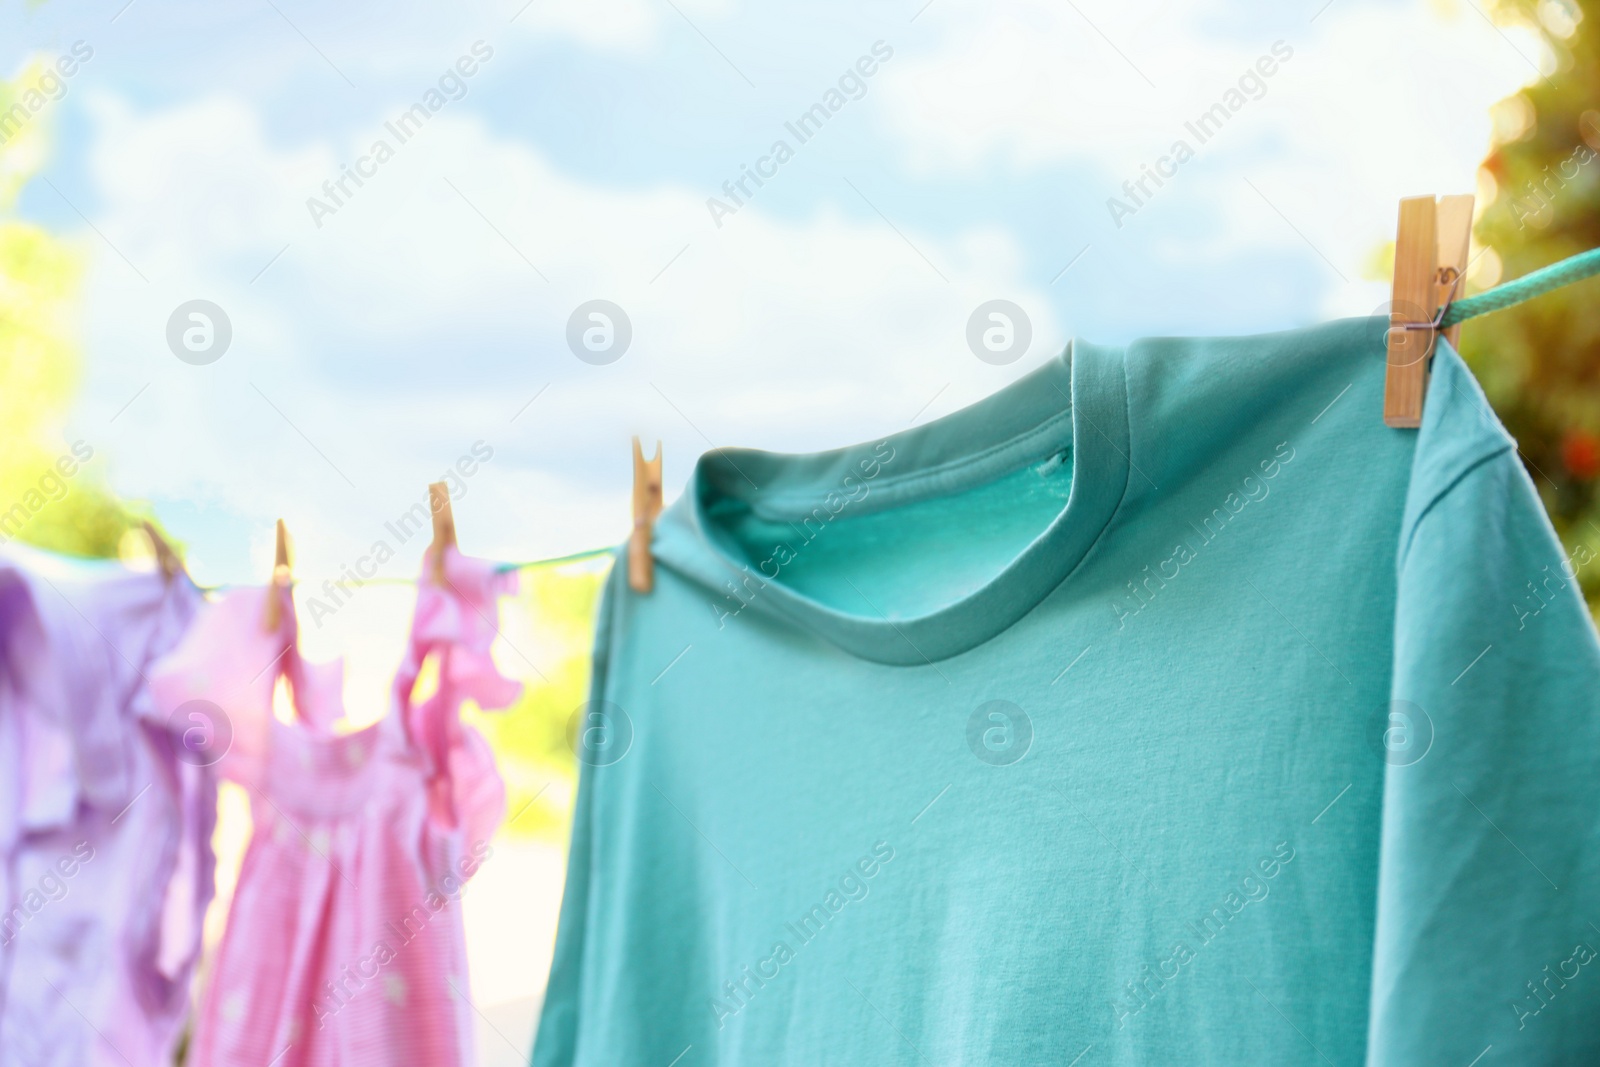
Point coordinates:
[[105, 833]]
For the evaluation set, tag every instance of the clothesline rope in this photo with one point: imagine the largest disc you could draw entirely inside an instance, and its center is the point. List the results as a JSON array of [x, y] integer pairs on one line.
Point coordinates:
[[591, 553], [1567, 271], [501, 568]]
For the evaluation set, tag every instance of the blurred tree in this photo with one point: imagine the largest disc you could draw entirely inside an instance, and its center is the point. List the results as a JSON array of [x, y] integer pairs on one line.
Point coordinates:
[[550, 620], [1540, 362], [40, 503]]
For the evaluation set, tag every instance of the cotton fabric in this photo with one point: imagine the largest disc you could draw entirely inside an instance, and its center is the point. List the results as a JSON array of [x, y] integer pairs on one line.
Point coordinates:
[[105, 829], [1164, 707], [344, 944]]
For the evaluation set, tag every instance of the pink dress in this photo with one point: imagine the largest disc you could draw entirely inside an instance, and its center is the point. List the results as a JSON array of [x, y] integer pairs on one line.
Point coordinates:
[[344, 943]]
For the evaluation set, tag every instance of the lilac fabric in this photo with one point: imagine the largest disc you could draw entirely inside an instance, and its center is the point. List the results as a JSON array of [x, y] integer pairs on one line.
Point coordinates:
[[105, 817]]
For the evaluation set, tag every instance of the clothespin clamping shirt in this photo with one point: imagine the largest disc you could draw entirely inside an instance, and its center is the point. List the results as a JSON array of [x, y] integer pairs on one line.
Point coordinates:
[[167, 559], [444, 527], [646, 508], [282, 578], [1430, 261]]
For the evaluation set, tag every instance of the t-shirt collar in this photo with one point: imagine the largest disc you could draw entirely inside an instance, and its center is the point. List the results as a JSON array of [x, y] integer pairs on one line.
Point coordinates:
[[1076, 401]]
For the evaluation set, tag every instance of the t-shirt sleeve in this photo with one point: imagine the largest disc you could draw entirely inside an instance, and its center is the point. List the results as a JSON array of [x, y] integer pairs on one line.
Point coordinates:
[[1489, 869], [556, 1040]]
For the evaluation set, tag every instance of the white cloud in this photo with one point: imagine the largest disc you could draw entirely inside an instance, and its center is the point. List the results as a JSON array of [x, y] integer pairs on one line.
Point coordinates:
[[410, 324], [1028, 82], [1377, 103], [631, 26], [628, 25]]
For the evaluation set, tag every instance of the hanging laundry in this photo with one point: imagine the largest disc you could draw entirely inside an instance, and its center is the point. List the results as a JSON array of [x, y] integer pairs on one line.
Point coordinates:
[[344, 943], [1165, 707], [105, 817]]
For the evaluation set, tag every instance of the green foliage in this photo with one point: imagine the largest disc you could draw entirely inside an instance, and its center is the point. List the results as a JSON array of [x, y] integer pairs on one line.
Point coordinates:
[[549, 628], [1540, 362], [39, 276]]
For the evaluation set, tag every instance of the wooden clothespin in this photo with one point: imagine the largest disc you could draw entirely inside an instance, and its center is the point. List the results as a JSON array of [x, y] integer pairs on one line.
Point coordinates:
[[646, 506], [1430, 262], [444, 527], [167, 560], [278, 589]]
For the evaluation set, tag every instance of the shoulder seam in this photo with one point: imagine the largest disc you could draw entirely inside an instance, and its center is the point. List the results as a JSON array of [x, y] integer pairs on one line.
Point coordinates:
[[1460, 476]]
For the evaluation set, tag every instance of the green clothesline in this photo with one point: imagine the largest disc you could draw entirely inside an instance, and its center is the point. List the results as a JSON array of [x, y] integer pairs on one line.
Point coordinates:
[[503, 568], [1572, 269], [591, 553]]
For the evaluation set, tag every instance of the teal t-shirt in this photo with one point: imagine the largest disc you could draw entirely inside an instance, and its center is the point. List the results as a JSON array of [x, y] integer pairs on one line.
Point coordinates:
[[1163, 708]]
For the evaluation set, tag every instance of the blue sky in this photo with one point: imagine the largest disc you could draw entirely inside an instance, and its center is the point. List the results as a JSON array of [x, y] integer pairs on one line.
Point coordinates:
[[430, 310]]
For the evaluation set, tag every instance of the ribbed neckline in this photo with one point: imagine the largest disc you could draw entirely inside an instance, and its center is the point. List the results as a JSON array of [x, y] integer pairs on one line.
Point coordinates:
[[1077, 400]]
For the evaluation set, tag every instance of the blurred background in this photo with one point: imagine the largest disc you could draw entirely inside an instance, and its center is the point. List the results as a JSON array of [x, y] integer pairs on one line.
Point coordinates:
[[392, 251]]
